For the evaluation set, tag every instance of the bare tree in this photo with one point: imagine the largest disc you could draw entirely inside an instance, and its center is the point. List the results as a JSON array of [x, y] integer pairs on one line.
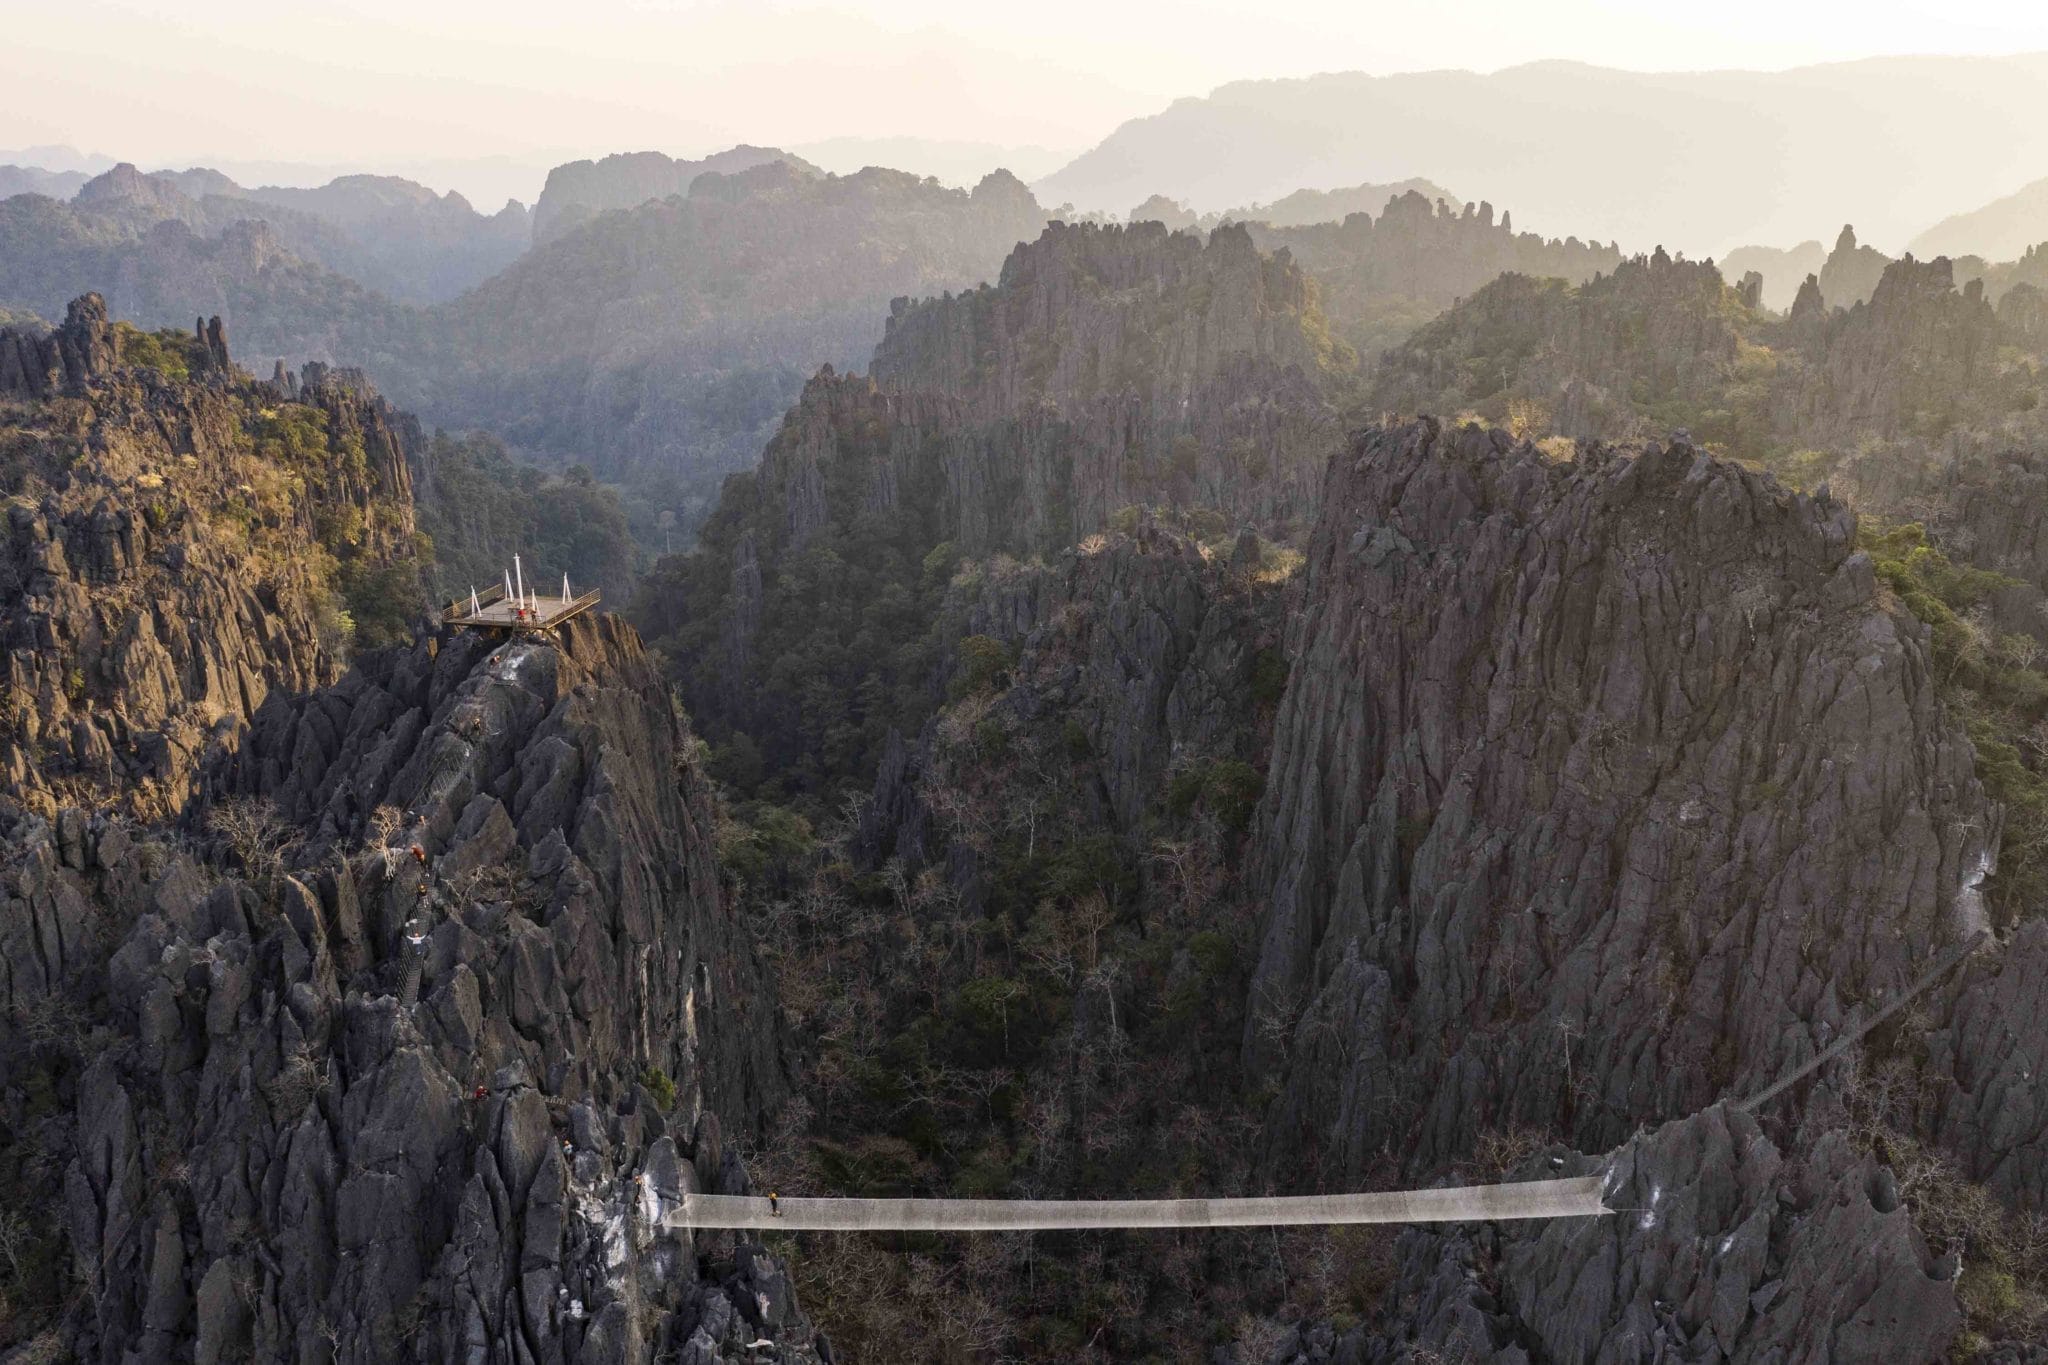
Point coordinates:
[[17, 1241], [1190, 876], [255, 835], [384, 824]]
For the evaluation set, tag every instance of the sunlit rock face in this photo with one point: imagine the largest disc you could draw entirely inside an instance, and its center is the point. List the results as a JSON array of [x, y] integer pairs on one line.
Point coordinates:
[[155, 580], [347, 1013]]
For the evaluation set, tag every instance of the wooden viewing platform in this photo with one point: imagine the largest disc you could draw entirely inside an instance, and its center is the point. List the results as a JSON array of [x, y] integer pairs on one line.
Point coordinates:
[[495, 610]]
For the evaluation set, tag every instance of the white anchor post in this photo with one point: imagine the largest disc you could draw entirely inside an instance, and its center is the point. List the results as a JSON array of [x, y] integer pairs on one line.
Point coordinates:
[[565, 590], [474, 608], [520, 579]]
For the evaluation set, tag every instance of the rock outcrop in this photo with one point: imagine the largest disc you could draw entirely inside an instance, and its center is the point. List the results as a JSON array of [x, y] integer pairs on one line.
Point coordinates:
[[1851, 272], [1654, 333], [1919, 358], [356, 1016], [1108, 367], [1727, 1246], [155, 582], [1120, 366], [37, 365], [1381, 278], [372, 1104], [1601, 790]]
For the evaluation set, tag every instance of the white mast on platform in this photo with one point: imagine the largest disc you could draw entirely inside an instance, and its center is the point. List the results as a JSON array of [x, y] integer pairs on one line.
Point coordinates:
[[508, 589], [565, 587], [520, 579], [474, 609]]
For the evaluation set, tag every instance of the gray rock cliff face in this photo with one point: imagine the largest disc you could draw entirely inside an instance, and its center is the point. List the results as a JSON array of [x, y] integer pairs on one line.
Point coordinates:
[[1986, 1052], [1908, 360], [1729, 1246], [344, 1016], [1600, 790], [375, 1105], [37, 364], [1130, 366]]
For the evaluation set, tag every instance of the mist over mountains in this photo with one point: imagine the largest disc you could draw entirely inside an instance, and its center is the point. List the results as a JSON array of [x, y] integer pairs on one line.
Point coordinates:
[[1700, 161]]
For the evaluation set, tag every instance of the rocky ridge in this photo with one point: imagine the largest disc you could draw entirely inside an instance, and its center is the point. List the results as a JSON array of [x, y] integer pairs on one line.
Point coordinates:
[[685, 378], [1161, 366], [1380, 278], [1594, 361], [390, 235], [358, 1104], [385, 1021], [1919, 357], [151, 605], [1631, 741], [618, 344]]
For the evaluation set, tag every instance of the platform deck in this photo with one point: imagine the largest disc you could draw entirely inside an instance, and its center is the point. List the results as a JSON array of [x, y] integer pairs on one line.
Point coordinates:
[[496, 611]]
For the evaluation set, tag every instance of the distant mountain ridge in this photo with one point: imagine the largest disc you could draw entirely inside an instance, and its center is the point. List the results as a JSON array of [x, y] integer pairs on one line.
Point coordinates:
[[661, 340], [667, 339], [1307, 206], [35, 180], [1299, 209], [390, 235], [578, 191], [1693, 160], [2001, 230]]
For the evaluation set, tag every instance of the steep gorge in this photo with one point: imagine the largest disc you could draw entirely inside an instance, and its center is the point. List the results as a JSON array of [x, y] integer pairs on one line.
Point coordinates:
[[1602, 793]]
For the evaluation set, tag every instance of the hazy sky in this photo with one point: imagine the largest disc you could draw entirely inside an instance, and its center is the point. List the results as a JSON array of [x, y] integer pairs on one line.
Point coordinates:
[[385, 82]]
